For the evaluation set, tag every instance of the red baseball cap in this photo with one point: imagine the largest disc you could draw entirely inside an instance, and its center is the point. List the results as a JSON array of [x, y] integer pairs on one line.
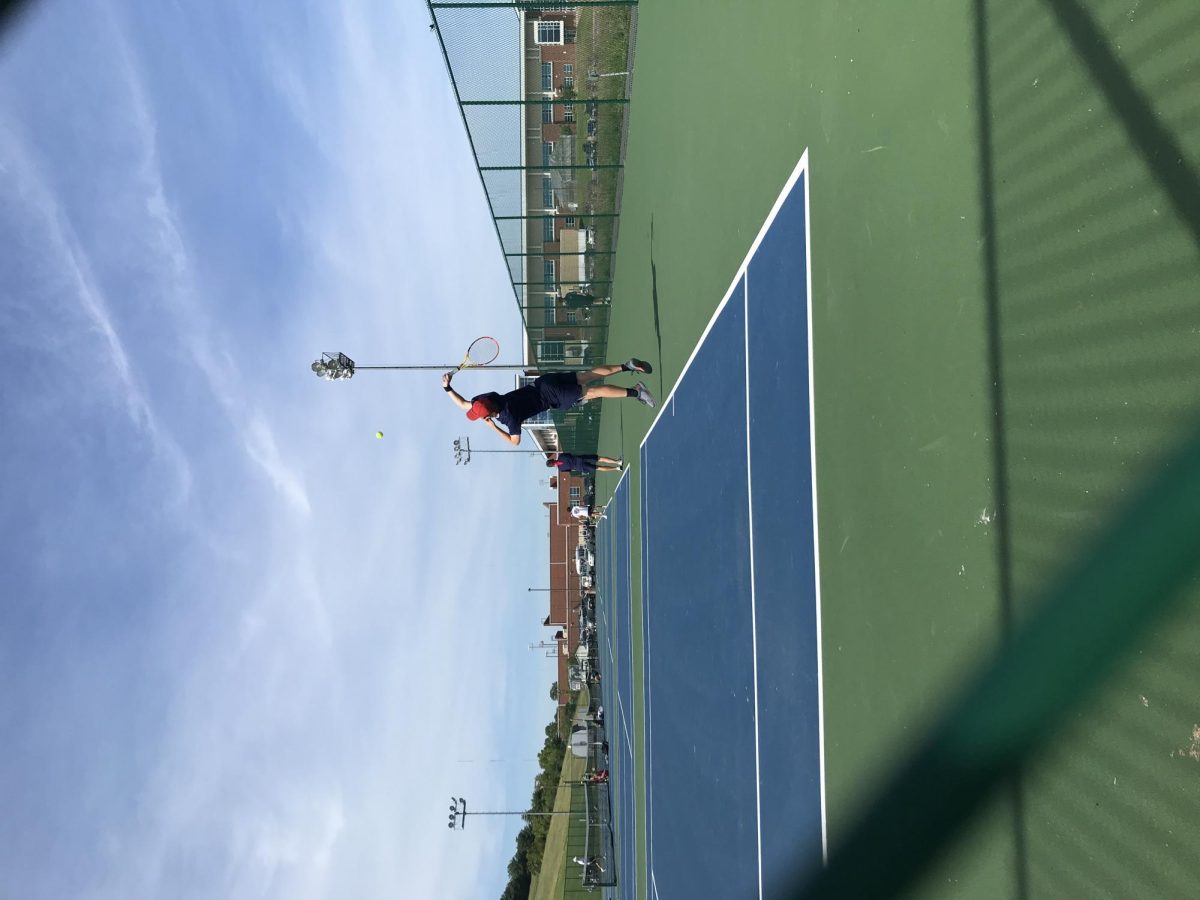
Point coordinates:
[[478, 410]]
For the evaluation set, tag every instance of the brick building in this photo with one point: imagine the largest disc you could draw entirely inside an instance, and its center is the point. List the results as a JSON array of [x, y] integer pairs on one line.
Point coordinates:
[[552, 197], [564, 599]]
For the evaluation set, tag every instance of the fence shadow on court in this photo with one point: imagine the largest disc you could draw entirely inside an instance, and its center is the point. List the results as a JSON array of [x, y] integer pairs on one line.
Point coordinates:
[[1092, 274], [1089, 142]]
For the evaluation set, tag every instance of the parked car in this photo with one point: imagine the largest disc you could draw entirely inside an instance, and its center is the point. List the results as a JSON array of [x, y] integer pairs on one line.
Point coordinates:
[[585, 561]]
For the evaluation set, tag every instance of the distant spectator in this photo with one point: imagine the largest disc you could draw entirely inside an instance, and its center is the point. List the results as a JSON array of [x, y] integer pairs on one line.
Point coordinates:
[[587, 513], [583, 463], [582, 300]]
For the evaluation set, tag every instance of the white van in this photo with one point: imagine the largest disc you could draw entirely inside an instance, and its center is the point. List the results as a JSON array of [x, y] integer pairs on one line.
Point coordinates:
[[585, 561]]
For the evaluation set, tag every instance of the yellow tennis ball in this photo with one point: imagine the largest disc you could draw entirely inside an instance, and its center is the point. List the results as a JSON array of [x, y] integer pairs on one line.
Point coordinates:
[[379, 434]]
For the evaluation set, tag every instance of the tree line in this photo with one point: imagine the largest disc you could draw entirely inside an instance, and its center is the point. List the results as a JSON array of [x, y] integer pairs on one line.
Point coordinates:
[[531, 840]]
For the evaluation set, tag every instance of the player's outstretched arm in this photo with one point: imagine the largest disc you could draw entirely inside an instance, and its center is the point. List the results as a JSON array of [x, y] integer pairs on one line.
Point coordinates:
[[454, 395]]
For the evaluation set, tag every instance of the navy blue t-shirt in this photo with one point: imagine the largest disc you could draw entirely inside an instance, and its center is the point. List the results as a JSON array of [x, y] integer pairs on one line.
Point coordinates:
[[515, 406]]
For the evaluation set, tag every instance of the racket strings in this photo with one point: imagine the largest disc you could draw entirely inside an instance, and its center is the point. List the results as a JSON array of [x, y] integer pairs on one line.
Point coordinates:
[[482, 351]]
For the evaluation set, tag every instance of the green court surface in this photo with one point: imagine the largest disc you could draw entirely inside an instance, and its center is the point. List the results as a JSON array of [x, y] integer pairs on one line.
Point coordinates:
[[1006, 309]]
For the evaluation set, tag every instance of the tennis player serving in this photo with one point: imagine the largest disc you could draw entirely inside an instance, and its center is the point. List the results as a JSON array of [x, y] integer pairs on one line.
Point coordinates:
[[554, 390]]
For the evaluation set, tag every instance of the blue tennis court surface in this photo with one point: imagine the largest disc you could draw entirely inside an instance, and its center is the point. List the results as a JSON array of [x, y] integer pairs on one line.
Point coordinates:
[[730, 714], [616, 650]]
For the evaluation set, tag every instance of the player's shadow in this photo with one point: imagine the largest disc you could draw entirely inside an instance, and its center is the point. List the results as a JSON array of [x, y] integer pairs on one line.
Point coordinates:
[[654, 301]]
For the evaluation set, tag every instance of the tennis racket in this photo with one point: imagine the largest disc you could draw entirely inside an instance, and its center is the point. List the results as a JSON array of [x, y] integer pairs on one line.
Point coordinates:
[[483, 350]]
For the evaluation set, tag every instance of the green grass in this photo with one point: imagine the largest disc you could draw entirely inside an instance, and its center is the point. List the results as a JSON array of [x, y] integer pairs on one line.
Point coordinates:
[[549, 882], [1100, 374]]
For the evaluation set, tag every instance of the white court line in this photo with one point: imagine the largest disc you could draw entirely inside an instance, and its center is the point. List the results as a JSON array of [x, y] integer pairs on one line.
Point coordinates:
[[647, 758], [753, 594], [618, 487], [625, 728], [812, 453], [625, 720], [801, 168], [629, 651], [654, 884]]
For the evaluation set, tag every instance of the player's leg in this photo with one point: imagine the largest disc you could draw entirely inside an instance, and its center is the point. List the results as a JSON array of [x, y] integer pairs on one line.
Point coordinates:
[[596, 373], [638, 392], [605, 392], [633, 364]]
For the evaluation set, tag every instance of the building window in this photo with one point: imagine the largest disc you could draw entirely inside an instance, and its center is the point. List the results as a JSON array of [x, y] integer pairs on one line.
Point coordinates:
[[547, 280], [568, 112], [547, 192], [547, 113], [569, 37], [547, 76], [573, 493], [571, 317], [547, 230], [547, 151], [551, 351], [570, 222], [568, 75], [549, 32]]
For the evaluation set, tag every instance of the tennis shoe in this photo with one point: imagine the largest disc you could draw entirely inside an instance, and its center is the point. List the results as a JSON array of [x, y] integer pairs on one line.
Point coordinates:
[[643, 394], [633, 364]]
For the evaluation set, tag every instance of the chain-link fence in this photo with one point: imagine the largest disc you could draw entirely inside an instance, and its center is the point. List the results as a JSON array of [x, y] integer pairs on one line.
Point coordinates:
[[544, 91], [590, 860]]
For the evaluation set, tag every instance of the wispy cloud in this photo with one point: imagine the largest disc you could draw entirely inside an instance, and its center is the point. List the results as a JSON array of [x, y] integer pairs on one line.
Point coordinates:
[[281, 676], [176, 271], [69, 282]]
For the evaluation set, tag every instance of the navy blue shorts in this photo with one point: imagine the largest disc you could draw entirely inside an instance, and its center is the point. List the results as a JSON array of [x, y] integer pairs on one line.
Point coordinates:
[[581, 462], [559, 390]]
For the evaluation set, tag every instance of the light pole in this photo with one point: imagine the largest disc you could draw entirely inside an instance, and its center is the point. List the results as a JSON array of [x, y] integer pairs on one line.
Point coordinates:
[[458, 813], [463, 451], [340, 367]]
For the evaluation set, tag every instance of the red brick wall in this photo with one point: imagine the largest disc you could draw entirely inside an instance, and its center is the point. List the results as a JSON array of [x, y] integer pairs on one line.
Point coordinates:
[[563, 582], [558, 55]]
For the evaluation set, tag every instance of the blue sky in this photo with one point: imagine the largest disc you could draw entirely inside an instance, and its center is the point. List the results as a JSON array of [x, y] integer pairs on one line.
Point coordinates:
[[245, 645]]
